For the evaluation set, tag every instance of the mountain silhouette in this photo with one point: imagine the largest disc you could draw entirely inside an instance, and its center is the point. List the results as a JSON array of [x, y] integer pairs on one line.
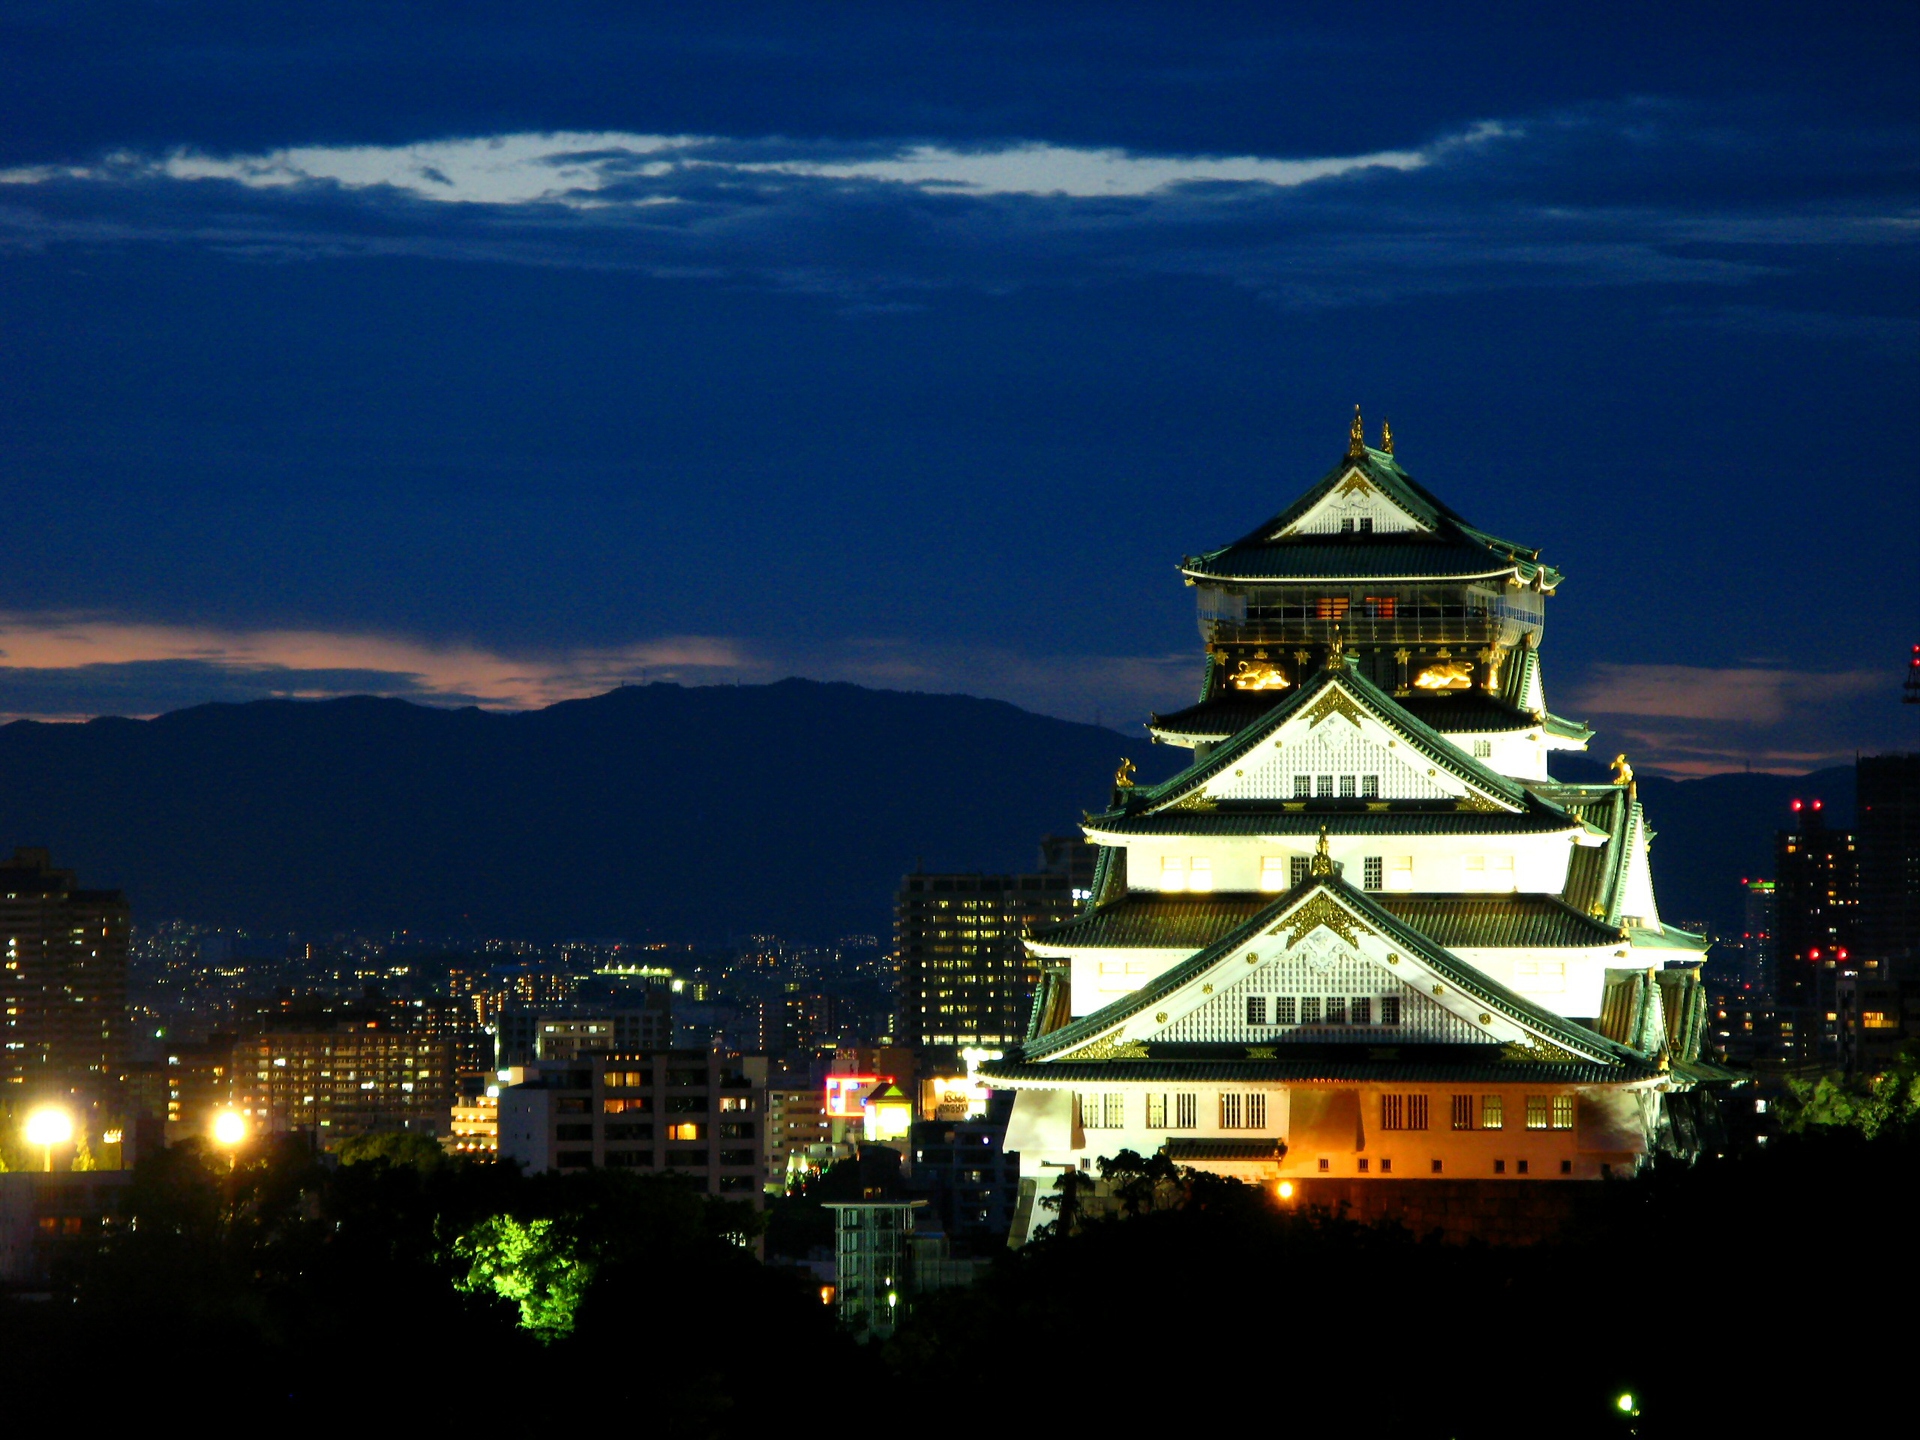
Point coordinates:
[[650, 812]]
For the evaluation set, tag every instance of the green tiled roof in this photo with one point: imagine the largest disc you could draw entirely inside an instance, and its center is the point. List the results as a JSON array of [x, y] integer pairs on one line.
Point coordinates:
[[1474, 1064], [1184, 1148], [1421, 736], [1496, 922], [1449, 548], [1267, 818], [1669, 938], [1451, 712], [1462, 976], [1151, 920]]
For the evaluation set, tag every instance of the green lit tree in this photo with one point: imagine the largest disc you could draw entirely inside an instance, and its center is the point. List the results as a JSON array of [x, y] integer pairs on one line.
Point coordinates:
[[531, 1263]]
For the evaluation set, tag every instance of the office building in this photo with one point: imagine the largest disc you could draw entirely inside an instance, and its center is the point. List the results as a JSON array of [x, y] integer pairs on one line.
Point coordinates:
[[63, 981], [566, 1031], [693, 1112], [1888, 828], [966, 976]]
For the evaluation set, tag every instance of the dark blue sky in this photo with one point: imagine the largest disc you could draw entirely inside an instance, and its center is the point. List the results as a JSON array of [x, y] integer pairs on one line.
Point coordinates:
[[508, 352]]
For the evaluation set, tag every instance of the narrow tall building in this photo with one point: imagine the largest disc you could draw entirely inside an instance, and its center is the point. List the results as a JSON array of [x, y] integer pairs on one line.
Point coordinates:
[[1817, 905], [966, 975], [1889, 840], [1365, 947], [63, 980]]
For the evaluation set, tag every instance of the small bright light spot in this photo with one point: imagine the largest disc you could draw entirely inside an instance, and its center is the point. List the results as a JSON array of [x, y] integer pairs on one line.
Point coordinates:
[[1285, 1190], [49, 1127], [892, 1299], [1625, 1405], [229, 1128]]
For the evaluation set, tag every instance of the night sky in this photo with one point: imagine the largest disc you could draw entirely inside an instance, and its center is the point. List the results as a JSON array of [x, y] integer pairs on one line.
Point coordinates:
[[504, 353]]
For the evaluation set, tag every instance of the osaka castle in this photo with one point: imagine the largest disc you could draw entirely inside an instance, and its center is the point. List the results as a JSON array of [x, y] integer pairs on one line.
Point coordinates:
[[1365, 937]]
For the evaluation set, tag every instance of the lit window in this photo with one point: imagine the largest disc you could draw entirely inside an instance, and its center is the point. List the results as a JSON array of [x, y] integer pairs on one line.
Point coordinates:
[[1373, 872], [1492, 1113], [686, 1130], [1173, 872], [1563, 1112], [1273, 872], [1200, 873], [1400, 873], [1537, 1112]]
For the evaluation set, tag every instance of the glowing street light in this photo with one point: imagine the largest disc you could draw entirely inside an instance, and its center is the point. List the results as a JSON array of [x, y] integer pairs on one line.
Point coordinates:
[[1284, 1189], [229, 1131], [47, 1127]]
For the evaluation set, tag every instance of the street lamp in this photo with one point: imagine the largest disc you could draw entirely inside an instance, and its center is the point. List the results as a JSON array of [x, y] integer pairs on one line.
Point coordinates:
[[229, 1132], [47, 1127]]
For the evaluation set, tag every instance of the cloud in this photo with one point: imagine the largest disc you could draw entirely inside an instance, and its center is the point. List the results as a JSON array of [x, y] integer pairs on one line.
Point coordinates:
[[77, 667], [1696, 720]]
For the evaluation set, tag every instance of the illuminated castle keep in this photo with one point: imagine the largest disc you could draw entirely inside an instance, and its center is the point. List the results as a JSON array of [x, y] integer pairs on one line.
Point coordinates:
[[1363, 935]]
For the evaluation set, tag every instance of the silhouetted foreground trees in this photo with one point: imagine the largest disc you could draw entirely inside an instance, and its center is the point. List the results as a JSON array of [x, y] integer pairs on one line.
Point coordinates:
[[406, 1286]]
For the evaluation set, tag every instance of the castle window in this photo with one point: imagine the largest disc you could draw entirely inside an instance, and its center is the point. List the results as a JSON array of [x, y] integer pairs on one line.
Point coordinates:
[[1243, 1112], [1463, 1112], [1349, 786], [1303, 787], [1403, 1112], [1331, 607], [1310, 1010], [1297, 868], [1256, 1010], [1483, 749], [1492, 1113], [1156, 1112], [1382, 607], [1173, 872], [1400, 873], [1273, 872], [1374, 872], [1361, 1164], [1103, 1112], [1346, 526], [1562, 1112], [1537, 1112], [1325, 1165], [1389, 1009], [1370, 787], [1499, 1167], [1200, 873], [1283, 1010], [1365, 524], [1336, 1010], [1363, 1010], [1229, 1112], [1323, 787], [1185, 1108]]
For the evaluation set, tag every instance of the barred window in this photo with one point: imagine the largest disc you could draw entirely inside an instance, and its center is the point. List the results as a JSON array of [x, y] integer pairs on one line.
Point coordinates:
[[1370, 787], [1373, 872], [1363, 1009], [1303, 787], [1336, 1010], [1323, 787], [1310, 1010], [1243, 1112], [1416, 1112], [1483, 749], [1393, 1112], [1349, 786], [1296, 868], [1156, 1112], [1389, 1009], [1186, 1109], [1283, 1010], [1114, 1110], [1492, 1113], [1463, 1112], [1256, 1009], [1537, 1112], [1563, 1112]]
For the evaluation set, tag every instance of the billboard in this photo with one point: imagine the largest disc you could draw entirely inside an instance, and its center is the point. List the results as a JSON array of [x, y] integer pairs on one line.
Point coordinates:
[[847, 1093]]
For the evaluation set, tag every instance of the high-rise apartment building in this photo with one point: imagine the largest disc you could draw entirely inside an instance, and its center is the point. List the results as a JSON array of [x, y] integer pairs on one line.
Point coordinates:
[[348, 1074], [966, 977], [63, 979], [1889, 839], [1817, 905]]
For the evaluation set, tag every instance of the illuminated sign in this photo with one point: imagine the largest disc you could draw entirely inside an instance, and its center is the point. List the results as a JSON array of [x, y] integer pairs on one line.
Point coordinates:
[[952, 1097], [846, 1094]]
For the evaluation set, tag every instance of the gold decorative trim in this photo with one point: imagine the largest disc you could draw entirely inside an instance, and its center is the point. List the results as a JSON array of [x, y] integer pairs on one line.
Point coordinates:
[[1480, 804], [1160, 1018], [1110, 1047], [1334, 702], [1320, 910], [1532, 1049], [1357, 438], [1260, 1052]]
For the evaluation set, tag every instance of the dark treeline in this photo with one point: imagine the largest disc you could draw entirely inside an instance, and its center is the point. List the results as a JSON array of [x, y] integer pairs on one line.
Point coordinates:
[[404, 1286]]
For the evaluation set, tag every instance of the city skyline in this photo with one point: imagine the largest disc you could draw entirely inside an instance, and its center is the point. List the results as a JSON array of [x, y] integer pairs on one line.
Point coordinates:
[[453, 360]]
